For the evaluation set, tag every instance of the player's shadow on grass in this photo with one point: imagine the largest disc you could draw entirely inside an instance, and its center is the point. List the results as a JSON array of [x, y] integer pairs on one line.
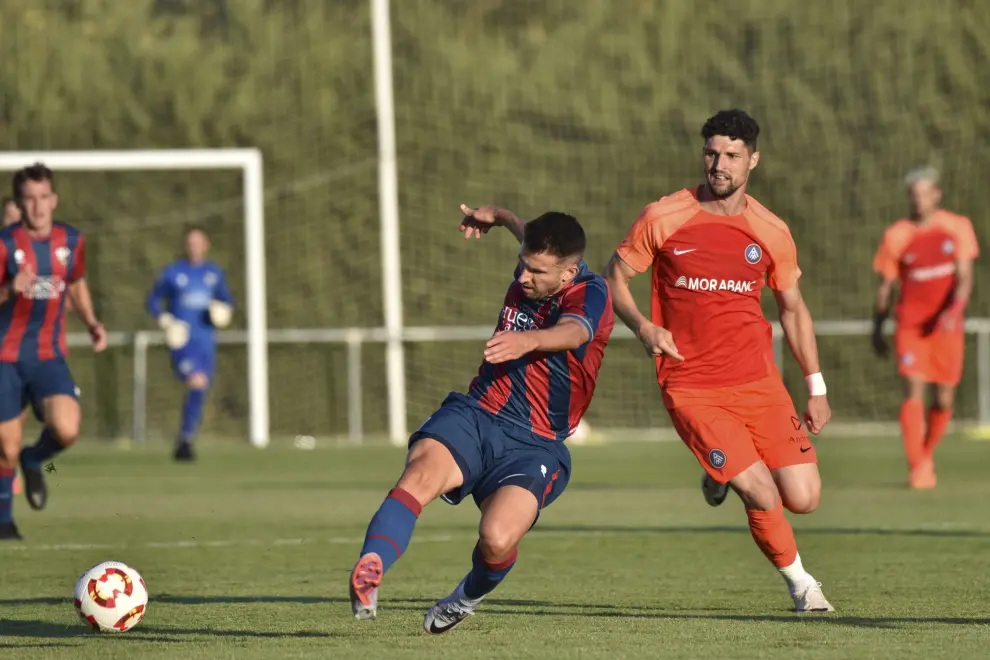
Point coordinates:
[[733, 529], [515, 608], [143, 633]]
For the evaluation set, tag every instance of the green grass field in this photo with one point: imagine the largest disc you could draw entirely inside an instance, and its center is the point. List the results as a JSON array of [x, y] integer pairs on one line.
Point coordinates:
[[246, 555]]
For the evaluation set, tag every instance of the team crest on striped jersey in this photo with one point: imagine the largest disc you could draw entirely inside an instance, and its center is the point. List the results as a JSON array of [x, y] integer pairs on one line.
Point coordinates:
[[62, 254]]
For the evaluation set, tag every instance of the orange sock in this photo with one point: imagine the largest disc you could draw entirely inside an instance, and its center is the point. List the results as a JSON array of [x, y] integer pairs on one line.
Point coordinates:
[[774, 535], [938, 420], [913, 430]]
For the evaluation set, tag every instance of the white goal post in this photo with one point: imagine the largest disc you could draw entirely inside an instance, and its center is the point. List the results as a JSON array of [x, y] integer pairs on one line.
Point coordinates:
[[249, 162]]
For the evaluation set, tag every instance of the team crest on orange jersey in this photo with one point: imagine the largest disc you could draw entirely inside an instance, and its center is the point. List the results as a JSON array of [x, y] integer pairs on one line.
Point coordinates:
[[754, 253], [716, 458]]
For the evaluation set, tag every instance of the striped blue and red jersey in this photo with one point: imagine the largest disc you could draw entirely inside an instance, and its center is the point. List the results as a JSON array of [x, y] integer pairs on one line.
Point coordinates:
[[548, 393], [32, 325]]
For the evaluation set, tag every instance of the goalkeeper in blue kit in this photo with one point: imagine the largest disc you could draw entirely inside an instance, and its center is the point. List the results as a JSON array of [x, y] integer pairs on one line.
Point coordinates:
[[197, 302]]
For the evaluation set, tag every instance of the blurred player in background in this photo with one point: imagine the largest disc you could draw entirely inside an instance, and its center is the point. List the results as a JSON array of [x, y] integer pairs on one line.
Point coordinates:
[[931, 255], [197, 302], [711, 248], [43, 262], [11, 216], [503, 442], [11, 212]]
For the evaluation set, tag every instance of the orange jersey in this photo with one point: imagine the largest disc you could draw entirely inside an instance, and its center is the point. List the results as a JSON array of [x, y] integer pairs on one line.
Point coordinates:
[[708, 273], [924, 259]]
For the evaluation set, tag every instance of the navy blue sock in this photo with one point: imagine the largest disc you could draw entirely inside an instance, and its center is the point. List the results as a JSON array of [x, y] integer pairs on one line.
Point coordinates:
[[47, 447], [486, 575], [192, 413], [392, 527], [7, 494]]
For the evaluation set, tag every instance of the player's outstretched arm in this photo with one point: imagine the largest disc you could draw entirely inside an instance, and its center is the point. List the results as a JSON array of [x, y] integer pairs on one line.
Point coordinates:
[[82, 303], [657, 341], [799, 329], [569, 334], [480, 220]]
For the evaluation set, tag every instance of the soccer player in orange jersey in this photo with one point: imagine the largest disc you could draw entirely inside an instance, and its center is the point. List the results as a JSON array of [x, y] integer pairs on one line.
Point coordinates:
[[711, 248], [931, 254]]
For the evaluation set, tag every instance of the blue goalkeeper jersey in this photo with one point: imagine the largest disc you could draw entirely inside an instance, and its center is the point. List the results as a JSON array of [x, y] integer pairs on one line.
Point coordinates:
[[187, 290]]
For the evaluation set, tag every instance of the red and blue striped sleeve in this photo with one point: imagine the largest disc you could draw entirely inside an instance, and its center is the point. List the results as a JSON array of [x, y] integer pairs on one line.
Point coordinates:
[[78, 260], [586, 302]]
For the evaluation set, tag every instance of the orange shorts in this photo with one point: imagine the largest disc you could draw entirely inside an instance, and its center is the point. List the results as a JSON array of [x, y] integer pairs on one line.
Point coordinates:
[[934, 358], [731, 428]]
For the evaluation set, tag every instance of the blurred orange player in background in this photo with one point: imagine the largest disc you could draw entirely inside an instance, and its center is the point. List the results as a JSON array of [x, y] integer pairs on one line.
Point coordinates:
[[931, 255]]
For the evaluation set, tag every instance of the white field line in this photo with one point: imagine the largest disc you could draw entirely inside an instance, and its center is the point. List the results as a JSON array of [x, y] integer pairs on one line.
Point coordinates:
[[13, 546]]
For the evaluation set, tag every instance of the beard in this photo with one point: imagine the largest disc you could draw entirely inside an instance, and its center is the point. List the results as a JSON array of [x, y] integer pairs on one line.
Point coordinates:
[[725, 187]]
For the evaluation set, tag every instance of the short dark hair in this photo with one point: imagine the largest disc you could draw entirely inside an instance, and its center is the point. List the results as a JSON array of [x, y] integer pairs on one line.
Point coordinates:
[[556, 233], [733, 124], [37, 172]]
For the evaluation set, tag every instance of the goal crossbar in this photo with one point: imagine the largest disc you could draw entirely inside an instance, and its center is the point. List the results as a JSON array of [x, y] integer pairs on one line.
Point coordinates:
[[249, 162]]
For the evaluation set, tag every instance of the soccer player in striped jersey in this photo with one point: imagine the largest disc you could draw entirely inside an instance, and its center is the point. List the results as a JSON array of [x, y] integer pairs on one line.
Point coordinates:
[[503, 441], [44, 263]]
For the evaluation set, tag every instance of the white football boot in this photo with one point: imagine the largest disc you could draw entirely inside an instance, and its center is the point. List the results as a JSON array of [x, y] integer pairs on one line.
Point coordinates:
[[450, 612], [809, 598], [365, 578]]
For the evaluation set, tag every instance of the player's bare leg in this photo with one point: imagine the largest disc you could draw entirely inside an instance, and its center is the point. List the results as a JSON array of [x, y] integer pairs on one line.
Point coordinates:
[[192, 412], [939, 416], [922, 473], [506, 516], [430, 471], [800, 487], [10, 447], [758, 490], [62, 416]]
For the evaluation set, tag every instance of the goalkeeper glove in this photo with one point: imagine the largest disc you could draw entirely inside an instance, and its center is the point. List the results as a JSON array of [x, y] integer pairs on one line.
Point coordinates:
[[176, 331], [220, 314]]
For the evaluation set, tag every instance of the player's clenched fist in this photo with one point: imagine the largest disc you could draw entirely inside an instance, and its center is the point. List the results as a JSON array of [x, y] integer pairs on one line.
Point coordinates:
[[507, 345], [658, 341], [817, 414]]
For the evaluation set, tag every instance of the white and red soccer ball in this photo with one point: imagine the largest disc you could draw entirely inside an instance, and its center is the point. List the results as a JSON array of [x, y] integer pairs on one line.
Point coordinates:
[[111, 597]]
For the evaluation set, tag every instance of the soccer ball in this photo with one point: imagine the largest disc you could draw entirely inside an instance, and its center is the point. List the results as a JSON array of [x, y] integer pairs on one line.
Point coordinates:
[[111, 597]]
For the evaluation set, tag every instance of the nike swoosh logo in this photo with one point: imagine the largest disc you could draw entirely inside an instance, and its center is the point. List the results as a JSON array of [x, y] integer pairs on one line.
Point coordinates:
[[678, 253], [805, 449], [436, 630]]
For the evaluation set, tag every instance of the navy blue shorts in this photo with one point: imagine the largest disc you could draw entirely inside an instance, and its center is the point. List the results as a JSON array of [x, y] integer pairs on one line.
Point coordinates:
[[194, 358], [493, 453], [31, 382]]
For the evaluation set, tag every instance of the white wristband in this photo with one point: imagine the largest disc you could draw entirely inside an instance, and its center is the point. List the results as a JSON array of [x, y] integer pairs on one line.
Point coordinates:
[[816, 384]]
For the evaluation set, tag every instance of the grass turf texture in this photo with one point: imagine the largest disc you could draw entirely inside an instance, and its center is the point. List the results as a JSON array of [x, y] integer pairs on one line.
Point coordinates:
[[246, 555]]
